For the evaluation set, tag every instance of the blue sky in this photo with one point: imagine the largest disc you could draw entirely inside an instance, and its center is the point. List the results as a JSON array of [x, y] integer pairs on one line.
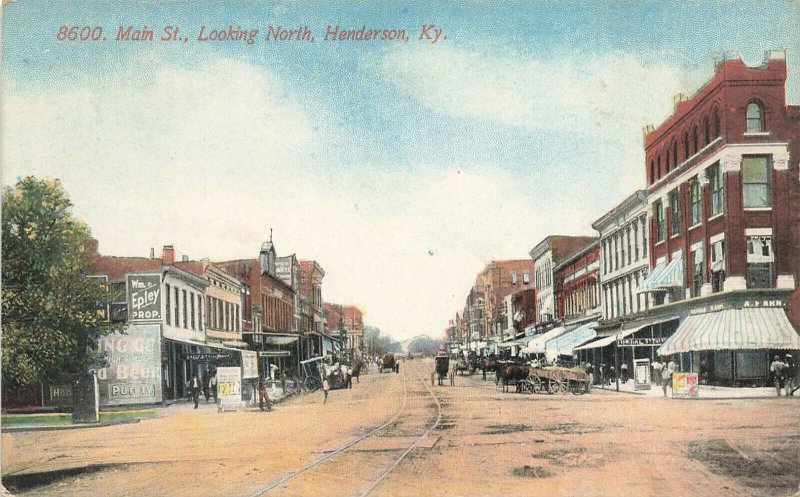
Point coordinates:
[[402, 168]]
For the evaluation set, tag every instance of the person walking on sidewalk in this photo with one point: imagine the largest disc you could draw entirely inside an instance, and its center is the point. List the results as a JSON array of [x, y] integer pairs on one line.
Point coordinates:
[[213, 382], [666, 377], [264, 400], [776, 368], [194, 386], [657, 366], [791, 375]]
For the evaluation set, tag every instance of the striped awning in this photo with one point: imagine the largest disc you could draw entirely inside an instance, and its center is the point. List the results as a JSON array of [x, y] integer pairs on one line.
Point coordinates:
[[664, 276], [538, 342], [733, 329], [564, 344]]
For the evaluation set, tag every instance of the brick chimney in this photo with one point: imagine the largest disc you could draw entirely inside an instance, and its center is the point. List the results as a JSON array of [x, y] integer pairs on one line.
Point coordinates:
[[168, 254]]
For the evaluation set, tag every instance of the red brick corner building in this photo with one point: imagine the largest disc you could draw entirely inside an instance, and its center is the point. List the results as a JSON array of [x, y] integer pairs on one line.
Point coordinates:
[[724, 220]]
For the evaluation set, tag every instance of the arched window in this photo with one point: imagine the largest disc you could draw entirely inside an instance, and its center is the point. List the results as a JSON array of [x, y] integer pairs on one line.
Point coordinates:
[[685, 146], [706, 132], [659, 167], [652, 171], [694, 140], [666, 161], [717, 130], [674, 154], [755, 118]]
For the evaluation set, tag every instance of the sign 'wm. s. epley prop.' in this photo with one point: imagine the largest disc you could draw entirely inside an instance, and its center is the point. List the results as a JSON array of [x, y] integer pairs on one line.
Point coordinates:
[[144, 297]]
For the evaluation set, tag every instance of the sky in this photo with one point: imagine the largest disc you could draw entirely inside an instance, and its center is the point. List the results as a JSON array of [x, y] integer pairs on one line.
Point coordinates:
[[402, 167]]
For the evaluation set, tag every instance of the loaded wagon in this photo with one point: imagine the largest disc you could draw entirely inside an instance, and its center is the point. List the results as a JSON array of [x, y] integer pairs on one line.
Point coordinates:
[[555, 379]]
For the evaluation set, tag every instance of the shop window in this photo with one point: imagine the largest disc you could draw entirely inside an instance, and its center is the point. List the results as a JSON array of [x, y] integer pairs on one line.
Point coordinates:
[[658, 217], [714, 174], [675, 212], [760, 262], [717, 266], [755, 118], [694, 199], [756, 182], [697, 271]]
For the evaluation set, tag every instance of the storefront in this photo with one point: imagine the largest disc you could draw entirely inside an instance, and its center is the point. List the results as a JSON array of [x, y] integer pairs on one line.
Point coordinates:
[[182, 359], [733, 342], [537, 343]]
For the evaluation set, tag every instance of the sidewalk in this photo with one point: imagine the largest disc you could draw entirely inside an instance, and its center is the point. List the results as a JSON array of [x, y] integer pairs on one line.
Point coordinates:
[[705, 392]]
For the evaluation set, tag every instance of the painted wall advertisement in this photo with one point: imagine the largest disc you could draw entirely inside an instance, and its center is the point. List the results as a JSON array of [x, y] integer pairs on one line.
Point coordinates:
[[685, 386], [144, 297], [229, 385], [133, 375]]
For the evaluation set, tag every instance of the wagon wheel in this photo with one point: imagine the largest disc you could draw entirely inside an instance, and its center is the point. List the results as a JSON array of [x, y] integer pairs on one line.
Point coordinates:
[[536, 383], [557, 384], [577, 387], [526, 386]]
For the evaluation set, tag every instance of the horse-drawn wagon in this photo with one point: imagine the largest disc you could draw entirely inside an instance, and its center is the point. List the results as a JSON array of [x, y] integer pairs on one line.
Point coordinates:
[[388, 362], [555, 379], [442, 364]]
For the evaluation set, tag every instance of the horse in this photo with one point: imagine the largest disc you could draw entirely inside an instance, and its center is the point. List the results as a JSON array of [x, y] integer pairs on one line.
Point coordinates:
[[511, 372]]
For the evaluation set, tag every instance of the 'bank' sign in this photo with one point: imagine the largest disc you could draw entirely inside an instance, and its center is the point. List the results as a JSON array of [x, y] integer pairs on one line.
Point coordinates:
[[144, 297]]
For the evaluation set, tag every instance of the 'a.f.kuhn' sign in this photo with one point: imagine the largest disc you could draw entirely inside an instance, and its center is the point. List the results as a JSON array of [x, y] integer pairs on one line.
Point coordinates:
[[144, 297]]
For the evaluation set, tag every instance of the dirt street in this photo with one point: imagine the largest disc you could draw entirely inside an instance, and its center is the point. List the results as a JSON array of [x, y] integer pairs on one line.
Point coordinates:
[[483, 442]]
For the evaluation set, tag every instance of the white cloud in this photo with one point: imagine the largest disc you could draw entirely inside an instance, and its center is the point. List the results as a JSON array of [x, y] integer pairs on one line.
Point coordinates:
[[569, 93]]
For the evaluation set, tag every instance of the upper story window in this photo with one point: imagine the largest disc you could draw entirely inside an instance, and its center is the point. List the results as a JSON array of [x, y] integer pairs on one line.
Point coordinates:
[[695, 146], [694, 197], [526, 277], [675, 212], [706, 132], [658, 218], [755, 118], [714, 174], [760, 271], [513, 278], [652, 171], [674, 155], [660, 171], [756, 182], [666, 162], [685, 146], [717, 129], [168, 295]]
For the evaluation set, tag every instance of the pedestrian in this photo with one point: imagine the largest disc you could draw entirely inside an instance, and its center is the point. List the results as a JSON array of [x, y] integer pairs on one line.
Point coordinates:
[[791, 375], [666, 377], [623, 370], [325, 388], [657, 366], [194, 387], [213, 382], [777, 369], [264, 400], [590, 374]]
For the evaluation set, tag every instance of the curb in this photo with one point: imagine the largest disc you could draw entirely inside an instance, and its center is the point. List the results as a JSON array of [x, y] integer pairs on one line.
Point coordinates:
[[34, 428]]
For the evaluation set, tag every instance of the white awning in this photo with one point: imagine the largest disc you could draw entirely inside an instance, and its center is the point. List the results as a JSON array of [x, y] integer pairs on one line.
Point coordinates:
[[734, 329], [664, 276], [537, 343], [628, 329], [565, 344]]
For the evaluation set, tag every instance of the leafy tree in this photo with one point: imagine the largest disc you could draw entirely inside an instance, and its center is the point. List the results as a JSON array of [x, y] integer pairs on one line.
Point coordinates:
[[424, 345], [50, 318]]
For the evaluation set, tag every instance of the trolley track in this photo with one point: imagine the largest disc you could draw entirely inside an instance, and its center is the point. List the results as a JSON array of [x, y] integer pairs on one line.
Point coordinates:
[[357, 466]]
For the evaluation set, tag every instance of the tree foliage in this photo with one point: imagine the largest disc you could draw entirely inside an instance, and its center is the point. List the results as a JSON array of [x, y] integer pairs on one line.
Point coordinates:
[[50, 318], [424, 345], [377, 343]]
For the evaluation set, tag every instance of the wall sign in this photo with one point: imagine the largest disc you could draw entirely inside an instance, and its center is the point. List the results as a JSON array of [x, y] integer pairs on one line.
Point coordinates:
[[144, 297]]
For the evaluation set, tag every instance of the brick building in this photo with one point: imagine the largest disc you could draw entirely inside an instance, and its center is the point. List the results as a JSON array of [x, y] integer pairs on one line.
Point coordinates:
[[724, 206]]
